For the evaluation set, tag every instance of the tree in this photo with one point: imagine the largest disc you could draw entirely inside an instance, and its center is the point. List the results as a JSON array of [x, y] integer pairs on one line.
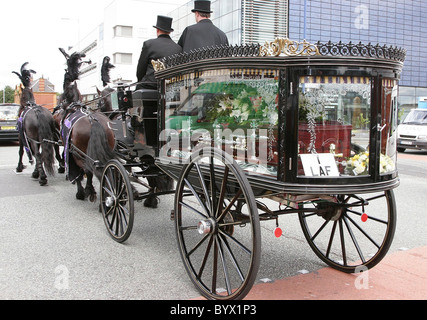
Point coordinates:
[[9, 96]]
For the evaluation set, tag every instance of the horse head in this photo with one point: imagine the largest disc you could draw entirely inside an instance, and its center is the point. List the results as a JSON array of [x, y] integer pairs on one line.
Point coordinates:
[[104, 104]]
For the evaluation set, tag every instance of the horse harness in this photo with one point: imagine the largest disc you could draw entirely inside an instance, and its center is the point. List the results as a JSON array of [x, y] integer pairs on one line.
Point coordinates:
[[25, 139], [70, 120]]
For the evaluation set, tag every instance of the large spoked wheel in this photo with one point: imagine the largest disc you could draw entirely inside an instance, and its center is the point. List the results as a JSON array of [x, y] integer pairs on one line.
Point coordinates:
[[350, 232], [117, 204], [217, 225]]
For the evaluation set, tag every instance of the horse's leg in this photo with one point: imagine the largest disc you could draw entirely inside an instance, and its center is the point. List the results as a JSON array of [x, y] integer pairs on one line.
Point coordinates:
[[39, 167], [36, 172], [152, 201], [20, 166], [60, 159], [90, 190], [80, 195]]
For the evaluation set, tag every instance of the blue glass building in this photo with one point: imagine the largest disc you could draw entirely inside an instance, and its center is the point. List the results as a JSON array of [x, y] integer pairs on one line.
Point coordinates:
[[400, 23], [393, 22]]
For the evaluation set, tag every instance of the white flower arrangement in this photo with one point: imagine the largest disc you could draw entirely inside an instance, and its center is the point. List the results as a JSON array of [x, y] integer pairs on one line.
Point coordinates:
[[359, 164], [259, 106], [386, 164]]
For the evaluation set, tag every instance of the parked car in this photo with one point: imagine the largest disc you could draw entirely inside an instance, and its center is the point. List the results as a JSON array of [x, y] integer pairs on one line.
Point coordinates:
[[412, 132], [8, 122]]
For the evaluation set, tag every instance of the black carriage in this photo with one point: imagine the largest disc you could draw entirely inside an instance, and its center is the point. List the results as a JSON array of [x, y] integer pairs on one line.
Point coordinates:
[[250, 133]]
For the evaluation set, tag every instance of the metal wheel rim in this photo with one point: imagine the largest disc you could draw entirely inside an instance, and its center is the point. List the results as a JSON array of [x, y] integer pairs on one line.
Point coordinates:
[[222, 249], [117, 203], [351, 235]]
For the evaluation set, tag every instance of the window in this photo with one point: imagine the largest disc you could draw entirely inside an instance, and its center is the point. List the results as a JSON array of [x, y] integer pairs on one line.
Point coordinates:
[[334, 123], [123, 31], [122, 58], [101, 32], [264, 20], [235, 109]]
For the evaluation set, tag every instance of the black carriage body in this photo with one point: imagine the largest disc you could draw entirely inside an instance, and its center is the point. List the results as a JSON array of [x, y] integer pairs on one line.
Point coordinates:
[[321, 118], [310, 126]]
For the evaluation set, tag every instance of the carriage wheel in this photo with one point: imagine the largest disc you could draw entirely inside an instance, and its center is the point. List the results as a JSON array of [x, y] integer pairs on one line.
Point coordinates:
[[217, 226], [351, 233], [117, 204]]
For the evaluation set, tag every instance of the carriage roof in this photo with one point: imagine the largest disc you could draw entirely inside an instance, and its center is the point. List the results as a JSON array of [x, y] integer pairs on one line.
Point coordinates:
[[284, 53]]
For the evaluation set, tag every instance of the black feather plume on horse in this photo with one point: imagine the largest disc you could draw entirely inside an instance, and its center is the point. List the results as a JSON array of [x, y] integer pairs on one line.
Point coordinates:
[[105, 104], [74, 63], [105, 70], [25, 75], [71, 92]]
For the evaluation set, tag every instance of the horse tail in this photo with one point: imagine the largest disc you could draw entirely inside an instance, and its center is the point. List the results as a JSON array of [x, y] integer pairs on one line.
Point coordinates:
[[46, 129], [98, 149]]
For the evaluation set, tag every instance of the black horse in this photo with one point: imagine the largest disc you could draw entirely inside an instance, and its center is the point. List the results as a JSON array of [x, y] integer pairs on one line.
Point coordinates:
[[87, 137], [37, 131]]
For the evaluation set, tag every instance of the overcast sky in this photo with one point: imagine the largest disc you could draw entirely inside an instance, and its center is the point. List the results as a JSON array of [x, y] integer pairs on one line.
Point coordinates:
[[32, 31]]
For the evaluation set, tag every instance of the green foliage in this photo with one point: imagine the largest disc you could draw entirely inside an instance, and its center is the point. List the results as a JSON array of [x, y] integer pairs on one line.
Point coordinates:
[[10, 95]]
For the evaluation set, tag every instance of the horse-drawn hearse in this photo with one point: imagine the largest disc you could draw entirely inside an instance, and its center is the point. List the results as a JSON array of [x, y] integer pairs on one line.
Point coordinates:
[[250, 133]]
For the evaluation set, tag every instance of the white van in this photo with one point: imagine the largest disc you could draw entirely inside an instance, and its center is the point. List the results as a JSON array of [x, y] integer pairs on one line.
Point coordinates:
[[412, 132]]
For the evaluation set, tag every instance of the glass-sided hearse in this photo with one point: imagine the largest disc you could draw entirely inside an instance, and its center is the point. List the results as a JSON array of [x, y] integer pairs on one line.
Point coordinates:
[[250, 133]]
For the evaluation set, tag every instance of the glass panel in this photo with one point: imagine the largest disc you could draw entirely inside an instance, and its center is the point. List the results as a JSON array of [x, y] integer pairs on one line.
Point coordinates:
[[232, 109], [388, 127], [334, 118]]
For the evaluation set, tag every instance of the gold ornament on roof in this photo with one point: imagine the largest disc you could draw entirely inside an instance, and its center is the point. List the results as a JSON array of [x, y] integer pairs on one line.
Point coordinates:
[[158, 65], [290, 48]]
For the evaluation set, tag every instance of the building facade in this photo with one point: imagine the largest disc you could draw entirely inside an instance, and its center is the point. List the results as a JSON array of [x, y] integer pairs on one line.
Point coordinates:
[[388, 22], [121, 34]]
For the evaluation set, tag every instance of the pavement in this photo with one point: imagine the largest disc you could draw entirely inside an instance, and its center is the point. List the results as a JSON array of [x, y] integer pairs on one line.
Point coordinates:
[[399, 276]]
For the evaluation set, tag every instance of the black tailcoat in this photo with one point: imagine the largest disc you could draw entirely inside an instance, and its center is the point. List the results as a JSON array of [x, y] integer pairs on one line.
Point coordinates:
[[200, 35], [154, 49]]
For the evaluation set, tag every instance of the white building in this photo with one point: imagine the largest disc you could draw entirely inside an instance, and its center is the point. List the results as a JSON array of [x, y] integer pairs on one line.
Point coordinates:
[[128, 23], [121, 34]]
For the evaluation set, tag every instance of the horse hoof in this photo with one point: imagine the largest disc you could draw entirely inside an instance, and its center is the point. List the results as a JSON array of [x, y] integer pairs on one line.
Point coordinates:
[[43, 183], [80, 196], [61, 170], [35, 175], [92, 197], [151, 202]]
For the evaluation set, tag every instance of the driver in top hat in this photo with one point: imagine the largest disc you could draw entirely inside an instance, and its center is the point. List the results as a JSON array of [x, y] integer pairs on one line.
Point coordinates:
[[204, 33], [154, 49]]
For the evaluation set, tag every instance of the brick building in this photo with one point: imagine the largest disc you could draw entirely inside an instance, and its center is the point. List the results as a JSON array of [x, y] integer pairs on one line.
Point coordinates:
[[44, 93]]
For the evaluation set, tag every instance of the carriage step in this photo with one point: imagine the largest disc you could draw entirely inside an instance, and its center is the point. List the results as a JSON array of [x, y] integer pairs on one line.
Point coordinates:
[[146, 175]]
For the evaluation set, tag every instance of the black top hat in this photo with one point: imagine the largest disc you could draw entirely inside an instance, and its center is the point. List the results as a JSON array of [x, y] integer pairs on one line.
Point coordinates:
[[202, 6], [164, 23]]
